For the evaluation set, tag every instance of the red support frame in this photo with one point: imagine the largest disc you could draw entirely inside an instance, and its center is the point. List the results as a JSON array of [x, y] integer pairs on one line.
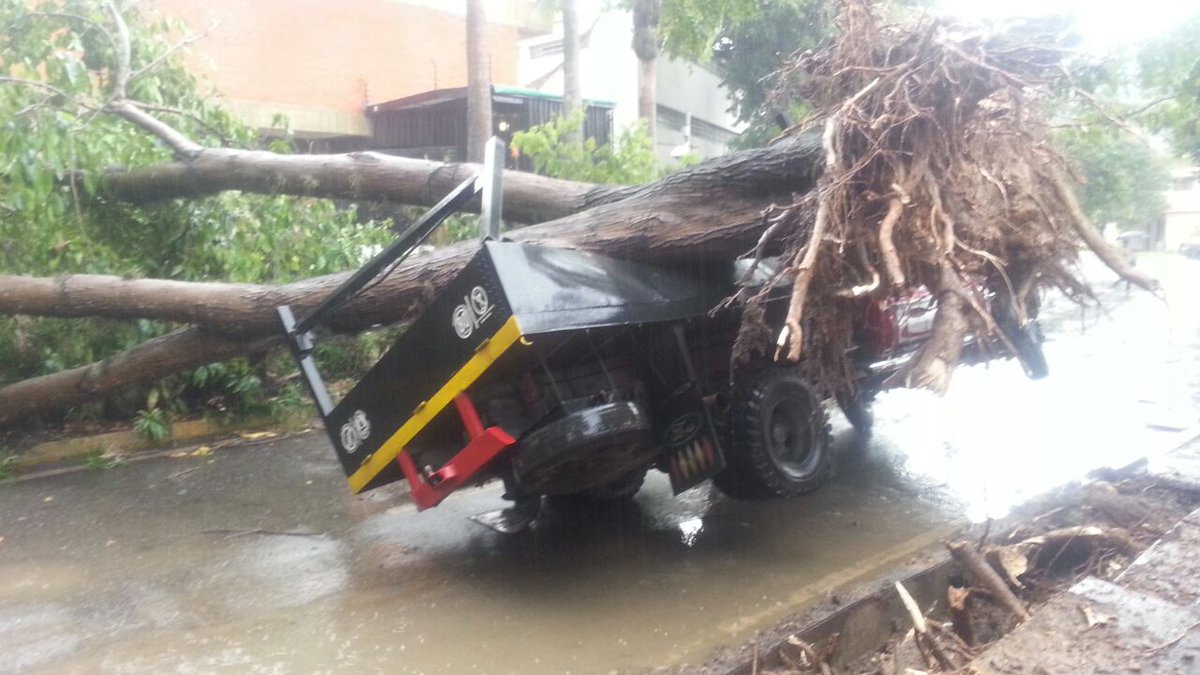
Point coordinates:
[[485, 444]]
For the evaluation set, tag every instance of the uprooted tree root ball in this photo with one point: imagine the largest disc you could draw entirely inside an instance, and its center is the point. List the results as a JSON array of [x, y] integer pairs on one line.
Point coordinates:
[[939, 172]]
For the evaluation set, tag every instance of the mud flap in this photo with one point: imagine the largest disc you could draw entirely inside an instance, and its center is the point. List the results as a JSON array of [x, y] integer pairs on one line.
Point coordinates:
[[693, 453], [686, 434]]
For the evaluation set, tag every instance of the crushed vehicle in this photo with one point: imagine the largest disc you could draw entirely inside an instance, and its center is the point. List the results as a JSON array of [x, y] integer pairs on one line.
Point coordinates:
[[568, 373]]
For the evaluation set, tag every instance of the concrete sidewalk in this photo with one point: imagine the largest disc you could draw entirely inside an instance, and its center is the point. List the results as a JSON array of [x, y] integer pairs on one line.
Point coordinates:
[[1145, 621]]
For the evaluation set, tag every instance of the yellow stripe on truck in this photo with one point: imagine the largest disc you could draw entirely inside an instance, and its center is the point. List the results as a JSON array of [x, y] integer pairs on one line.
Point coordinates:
[[487, 354]]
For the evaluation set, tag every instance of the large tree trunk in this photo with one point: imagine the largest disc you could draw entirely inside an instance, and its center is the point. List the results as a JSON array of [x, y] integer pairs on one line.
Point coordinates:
[[152, 360], [479, 82], [358, 176], [528, 198], [706, 212]]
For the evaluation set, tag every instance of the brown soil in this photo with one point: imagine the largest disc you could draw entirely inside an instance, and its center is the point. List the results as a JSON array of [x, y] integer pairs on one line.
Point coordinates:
[[1095, 529]]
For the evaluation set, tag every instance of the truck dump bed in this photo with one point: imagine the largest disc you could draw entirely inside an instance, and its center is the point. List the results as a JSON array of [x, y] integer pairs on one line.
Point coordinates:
[[508, 297]]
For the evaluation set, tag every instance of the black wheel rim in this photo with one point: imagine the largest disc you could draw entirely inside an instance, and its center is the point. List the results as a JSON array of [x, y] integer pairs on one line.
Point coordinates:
[[789, 437]]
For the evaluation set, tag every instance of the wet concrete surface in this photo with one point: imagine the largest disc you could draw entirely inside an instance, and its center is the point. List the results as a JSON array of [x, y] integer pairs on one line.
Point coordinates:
[[259, 560]]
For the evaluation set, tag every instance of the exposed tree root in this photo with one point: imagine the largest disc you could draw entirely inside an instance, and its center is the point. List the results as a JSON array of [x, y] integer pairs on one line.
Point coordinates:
[[939, 173]]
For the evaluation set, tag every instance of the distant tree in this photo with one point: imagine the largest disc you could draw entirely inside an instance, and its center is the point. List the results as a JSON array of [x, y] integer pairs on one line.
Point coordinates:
[[479, 82], [1125, 177], [690, 28], [746, 40], [749, 49], [1170, 68]]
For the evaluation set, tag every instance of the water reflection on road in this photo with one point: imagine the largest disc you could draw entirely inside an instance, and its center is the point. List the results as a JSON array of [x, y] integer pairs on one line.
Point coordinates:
[[259, 560]]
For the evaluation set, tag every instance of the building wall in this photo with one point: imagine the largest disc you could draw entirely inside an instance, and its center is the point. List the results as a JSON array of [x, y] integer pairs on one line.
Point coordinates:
[[609, 72], [322, 62], [1182, 219]]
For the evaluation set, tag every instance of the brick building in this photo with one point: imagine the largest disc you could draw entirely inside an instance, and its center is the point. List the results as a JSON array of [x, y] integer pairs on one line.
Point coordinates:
[[322, 63]]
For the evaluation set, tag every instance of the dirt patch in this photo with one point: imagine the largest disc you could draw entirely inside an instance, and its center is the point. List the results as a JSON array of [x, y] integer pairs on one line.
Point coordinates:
[[1092, 530]]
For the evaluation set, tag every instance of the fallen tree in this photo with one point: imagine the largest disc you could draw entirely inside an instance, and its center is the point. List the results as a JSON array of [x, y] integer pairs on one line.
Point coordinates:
[[236, 317], [713, 209], [528, 198], [927, 166]]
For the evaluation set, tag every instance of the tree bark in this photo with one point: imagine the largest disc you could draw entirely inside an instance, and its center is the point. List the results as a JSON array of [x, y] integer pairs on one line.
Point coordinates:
[[572, 95], [479, 82], [152, 360], [528, 198], [358, 176]]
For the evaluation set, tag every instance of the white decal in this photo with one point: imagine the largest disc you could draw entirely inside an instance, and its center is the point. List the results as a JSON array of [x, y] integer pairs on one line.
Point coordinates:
[[476, 307], [356, 430]]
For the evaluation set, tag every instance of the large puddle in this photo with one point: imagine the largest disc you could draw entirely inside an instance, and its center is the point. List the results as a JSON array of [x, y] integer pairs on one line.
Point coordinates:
[[261, 562]]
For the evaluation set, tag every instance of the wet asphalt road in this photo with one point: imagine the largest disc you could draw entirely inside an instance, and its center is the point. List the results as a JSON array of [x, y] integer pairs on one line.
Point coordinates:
[[257, 559]]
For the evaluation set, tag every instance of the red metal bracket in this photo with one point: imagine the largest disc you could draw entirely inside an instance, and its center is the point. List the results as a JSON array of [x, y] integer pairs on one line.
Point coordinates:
[[429, 491]]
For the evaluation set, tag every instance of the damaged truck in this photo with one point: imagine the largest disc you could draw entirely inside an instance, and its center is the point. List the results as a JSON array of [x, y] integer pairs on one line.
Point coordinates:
[[568, 373]]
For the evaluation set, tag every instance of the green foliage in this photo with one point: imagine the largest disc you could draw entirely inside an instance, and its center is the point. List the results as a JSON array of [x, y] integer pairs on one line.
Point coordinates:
[[1170, 68], [747, 52], [628, 161], [9, 466], [153, 424], [689, 28], [1125, 177], [56, 141], [99, 460], [229, 385], [291, 407]]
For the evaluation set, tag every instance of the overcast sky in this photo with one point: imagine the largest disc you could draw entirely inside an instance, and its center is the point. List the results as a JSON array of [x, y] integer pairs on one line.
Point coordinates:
[[1102, 24]]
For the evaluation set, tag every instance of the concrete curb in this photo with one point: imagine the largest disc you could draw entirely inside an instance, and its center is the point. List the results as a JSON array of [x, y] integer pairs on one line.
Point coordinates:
[[124, 442]]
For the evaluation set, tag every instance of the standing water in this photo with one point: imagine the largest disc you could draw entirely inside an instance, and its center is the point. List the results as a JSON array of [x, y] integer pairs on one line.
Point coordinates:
[[258, 560]]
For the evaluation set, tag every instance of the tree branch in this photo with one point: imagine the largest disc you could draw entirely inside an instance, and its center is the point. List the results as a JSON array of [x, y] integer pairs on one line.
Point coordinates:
[[49, 88], [191, 39], [181, 145], [120, 105], [73, 17], [189, 115], [123, 48], [147, 362]]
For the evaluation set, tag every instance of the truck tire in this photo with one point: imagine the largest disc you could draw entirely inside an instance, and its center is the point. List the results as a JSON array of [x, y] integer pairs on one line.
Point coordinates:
[[778, 441], [858, 409], [585, 450], [1027, 339]]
